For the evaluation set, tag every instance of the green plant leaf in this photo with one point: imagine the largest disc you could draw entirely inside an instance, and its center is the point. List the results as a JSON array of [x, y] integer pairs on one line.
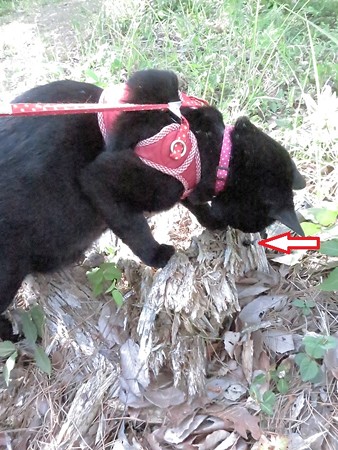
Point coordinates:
[[331, 282], [331, 342], [268, 402], [42, 360], [304, 305], [318, 345], [111, 272], [326, 217], [308, 367], [28, 327], [9, 366], [38, 317], [313, 346], [118, 297], [6, 348], [310, 229], [254, 392], [299, 303], [329, 248], [323, 216], [98, 289], [111, 287], [259, 379], [95, 276], [299, 358], [92, 75], [282, 385]]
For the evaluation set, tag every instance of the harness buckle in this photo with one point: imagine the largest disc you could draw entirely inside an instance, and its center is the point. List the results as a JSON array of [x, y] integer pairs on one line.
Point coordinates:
[[178, 149]]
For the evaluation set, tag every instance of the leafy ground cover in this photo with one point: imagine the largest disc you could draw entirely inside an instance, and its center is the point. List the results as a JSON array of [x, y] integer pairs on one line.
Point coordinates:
[[277, 62]]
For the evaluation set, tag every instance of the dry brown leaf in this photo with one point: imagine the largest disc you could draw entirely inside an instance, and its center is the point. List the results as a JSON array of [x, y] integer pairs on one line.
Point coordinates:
[[166, 397], [209, 425], [177, 414], [122, 442], [297, 406], [290, 260], [154, 438], [213, 439], [225, 388], [255, 283], [111, 326], [317, 426], [180, 433], [264, 362], [250, 291], [58, 360], [331, 361], [279, 341], [134, 375], [229, 443], [209, 442], [239, 419], [247, 359], [257, 343], [216, 387], [253, 312], [230, 339]]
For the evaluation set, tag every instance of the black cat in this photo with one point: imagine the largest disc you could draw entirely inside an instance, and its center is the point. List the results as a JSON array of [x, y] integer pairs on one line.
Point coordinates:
[[61, 184]]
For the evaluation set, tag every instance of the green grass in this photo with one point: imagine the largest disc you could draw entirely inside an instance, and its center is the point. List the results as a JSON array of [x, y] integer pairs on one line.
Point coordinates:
[[255, 56], [8, 6], [249, 56]]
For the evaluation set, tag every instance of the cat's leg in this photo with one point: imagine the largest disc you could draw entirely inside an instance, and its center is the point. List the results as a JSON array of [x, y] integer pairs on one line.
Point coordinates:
[[98, 182], [10, 281]]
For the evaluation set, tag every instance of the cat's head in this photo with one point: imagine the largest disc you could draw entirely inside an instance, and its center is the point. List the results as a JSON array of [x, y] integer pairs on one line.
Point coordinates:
[[260, 184], [153, 86]]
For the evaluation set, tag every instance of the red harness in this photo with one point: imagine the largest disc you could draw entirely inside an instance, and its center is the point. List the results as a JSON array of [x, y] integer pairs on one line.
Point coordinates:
[[173, 151], [224, 160]]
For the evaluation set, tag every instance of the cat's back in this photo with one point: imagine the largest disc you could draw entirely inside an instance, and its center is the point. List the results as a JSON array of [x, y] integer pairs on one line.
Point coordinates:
[[49, 145], [29, 140], [41, 157]]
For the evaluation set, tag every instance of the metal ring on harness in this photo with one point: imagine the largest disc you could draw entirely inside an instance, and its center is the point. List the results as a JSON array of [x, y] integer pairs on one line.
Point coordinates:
[[176, 154]]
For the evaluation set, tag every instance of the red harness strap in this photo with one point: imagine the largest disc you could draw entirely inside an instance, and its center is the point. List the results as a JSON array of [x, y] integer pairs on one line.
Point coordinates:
[[116, 95], [224, 160], [173, 150]]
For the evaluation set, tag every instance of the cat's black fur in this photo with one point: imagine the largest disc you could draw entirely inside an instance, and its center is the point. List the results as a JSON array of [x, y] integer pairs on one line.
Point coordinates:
[[61, 186]]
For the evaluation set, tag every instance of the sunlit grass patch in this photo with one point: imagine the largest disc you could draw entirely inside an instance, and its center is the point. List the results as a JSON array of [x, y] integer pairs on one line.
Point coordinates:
[[243, 56]]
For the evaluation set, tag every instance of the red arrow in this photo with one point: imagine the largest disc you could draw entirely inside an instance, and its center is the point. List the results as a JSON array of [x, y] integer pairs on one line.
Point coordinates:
[[285, 243]]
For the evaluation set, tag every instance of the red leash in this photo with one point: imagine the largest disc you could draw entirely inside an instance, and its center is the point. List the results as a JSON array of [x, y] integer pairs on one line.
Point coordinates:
[[51, 109]]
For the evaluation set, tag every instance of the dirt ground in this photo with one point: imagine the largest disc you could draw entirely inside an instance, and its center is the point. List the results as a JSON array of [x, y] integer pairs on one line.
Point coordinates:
[[41, 45]]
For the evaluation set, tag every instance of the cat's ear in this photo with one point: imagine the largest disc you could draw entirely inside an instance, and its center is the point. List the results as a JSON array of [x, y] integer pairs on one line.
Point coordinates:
[[243, 124], [298, 181], [288, 217]]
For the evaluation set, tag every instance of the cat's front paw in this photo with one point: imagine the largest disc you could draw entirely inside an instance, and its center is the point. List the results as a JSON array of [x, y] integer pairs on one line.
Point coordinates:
[[162, 256]]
